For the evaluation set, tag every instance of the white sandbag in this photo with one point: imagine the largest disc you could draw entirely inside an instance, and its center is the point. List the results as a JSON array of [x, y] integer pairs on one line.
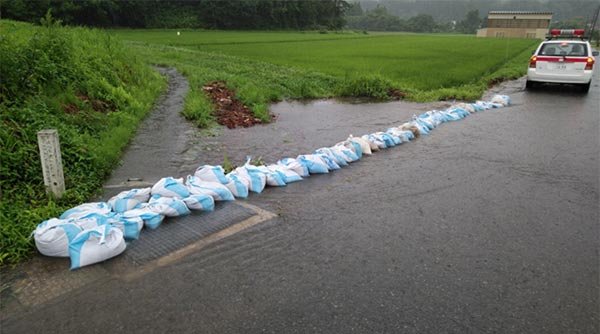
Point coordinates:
[[295, 166], [364, 144], [167, 206], [130, 226], [331, 164], [313, 163], [86, 209], [52, 236], [374, 146], [129, 199], [239, 186], [336, 156], [255, 179], [345, 152], [503, 100], [466, 106], [211, 174], [286, 173], [215, 189], [378, 141], [274, 179], [152, 220], [201, 202], [96, 245], [354, 147], [170, 187]]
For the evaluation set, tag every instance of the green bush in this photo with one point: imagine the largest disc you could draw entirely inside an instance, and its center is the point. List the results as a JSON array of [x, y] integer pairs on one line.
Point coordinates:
[[83, 83], [373, 86]]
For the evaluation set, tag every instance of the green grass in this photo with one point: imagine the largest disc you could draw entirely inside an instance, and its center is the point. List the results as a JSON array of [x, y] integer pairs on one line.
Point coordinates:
[[426, 67], [47, 71]]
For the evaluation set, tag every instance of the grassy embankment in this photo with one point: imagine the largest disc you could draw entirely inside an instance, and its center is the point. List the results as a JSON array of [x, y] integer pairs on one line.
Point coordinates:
[[84, 83], [269, 66]]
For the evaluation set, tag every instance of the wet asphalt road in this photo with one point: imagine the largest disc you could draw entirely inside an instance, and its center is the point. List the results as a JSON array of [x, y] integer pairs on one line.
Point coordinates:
[[488, 225]]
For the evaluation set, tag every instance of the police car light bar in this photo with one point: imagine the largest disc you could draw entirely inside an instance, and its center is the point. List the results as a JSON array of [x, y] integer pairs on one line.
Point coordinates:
[[567, 32]]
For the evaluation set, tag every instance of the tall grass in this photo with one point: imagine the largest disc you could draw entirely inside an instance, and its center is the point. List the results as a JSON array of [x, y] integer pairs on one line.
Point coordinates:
[[85, 84]]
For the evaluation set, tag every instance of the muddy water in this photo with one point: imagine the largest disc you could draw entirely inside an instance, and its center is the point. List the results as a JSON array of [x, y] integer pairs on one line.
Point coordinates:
[[300, 128], [168, 145]]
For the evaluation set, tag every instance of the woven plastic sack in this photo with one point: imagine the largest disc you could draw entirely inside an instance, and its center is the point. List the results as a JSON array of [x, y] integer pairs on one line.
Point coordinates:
[[238, 186], [211, 174], [129, 199], [170, 187], [374, 145], [294, 165], [167, 206], [52, 237], [96, 245], [286, 173], [274, 179], [354, 147], [345, 152], [336, 155], [314, 163], [152, 220], [216, 190], [130, 226], [86, 209], [377, 141], [331, 164], [200, 202], [412, 128], [364, 144]]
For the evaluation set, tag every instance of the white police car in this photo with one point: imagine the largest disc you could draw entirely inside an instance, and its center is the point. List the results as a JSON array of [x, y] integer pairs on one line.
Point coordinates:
[[565, 58]]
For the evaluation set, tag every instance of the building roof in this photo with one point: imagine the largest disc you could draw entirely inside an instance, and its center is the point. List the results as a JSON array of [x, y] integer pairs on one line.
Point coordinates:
[[518, 12]]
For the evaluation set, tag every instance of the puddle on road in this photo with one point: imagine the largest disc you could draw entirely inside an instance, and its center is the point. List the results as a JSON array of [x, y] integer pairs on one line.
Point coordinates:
[[302, 127]]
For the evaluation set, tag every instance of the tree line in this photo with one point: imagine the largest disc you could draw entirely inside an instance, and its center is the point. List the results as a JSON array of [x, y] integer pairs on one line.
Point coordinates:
[[209, 14], [380, 19]]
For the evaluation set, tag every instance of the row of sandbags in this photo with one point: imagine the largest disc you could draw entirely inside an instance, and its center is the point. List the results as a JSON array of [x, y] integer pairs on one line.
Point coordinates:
[[94, 232]]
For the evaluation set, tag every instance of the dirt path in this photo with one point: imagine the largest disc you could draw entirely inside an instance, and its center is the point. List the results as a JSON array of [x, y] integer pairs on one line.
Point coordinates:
[[156, 150]]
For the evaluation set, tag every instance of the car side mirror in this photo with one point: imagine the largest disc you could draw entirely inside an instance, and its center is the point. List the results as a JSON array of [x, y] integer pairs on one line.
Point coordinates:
[[595, 53]]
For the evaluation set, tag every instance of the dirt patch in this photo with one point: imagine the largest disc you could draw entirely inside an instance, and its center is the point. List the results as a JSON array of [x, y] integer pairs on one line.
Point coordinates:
[[230, 111], [396, 94], [96, 105]]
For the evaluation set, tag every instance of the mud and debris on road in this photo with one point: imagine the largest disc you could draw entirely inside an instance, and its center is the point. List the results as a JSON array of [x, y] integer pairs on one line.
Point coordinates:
[[229, 110]]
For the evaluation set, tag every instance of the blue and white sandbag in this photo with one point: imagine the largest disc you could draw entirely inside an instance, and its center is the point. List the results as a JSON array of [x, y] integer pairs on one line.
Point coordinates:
[[52, 237], [331, 164], [294, 165], [85, 209], [286, 173], [364, 144], [170, 187], [130, 226], [167, 206], [152, 220], [372, 144], [336, 156], [466, 106], [423, 129], [354, 147], [377, 141], [314, 163], [258, 180], [129, 199], [346, 152], [239, 186], [96, 245], [218, 191], [274, 179], [211, 174], [201, 202]]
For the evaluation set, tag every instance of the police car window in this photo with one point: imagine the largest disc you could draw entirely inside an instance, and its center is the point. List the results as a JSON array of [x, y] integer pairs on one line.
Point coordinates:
[[564, 49]]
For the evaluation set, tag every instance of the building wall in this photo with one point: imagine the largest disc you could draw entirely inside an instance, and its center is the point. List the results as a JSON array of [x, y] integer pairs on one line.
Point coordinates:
[[512, 33]]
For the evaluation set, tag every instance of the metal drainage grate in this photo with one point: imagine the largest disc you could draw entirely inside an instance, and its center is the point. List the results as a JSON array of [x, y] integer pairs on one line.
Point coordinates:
[[176, 233]]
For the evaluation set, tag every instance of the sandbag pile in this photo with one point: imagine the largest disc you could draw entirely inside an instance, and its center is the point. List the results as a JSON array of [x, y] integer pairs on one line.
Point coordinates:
[[94, 232]]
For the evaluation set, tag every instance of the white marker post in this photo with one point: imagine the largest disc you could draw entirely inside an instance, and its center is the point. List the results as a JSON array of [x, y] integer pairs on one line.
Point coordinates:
[[51, 162]]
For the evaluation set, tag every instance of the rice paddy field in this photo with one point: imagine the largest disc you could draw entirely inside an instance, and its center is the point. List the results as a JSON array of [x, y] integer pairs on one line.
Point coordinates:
[[411, 61]]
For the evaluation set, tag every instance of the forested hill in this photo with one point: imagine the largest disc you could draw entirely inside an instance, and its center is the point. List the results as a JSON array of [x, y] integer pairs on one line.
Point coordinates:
[[449, 10], [210, 14]]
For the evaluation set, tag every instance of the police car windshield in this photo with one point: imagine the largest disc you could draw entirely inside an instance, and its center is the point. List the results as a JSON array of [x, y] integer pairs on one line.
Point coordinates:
[[564, 49]]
